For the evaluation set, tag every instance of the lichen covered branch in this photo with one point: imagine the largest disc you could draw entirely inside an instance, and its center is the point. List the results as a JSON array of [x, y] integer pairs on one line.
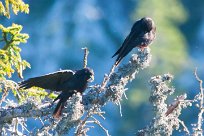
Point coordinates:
[[86, 52], [113, 91], [198, 131], [118, 80], [166, 119]]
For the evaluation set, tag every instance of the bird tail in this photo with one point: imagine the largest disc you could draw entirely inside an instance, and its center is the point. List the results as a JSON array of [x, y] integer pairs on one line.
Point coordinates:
[[122, 52], [60, 105], [118, 61], [58, 110], [118, 51], [119, 58]]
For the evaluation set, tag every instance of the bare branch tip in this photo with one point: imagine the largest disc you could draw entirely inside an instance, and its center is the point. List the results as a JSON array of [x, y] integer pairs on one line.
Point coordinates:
[[86, 52]]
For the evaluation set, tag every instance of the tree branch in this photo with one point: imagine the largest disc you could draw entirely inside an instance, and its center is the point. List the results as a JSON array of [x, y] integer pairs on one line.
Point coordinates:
[[198, 131], [163, 124], [72, 114], [86, 52]]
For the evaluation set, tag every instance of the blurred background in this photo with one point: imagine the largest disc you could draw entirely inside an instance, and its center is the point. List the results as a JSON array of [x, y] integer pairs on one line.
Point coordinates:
[[58, 30]]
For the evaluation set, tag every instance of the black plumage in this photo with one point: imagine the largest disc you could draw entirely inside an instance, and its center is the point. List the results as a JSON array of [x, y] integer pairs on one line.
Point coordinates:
[[67, 81], [141, 35]]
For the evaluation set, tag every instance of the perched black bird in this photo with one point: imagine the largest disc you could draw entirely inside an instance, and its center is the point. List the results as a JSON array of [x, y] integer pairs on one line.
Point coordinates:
[[67, 81], [142, 34]]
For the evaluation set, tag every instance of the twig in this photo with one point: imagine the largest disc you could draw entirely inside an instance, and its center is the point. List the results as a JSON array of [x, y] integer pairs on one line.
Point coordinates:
[[6, 40], [184, 127], [6, 85], [5, 93], [86, 52], [107, 77], [98, 123], [201, 108], [24, 127], [41, 121], [45, 128], [81, 126]]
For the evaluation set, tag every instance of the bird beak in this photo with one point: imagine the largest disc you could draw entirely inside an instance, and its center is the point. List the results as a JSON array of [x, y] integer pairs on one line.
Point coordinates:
[[91, 79]]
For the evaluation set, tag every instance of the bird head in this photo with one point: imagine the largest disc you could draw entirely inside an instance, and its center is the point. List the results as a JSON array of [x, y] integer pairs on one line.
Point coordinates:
[[148, 24], [86, 73]]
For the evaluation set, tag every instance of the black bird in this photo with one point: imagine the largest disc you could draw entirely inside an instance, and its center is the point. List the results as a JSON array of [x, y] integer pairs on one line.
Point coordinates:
[[142, 34], [67, 81]]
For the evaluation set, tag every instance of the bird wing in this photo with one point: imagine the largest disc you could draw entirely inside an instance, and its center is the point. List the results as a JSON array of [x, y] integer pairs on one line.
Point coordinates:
[[132, 40], [49, 81], [135, 34]]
